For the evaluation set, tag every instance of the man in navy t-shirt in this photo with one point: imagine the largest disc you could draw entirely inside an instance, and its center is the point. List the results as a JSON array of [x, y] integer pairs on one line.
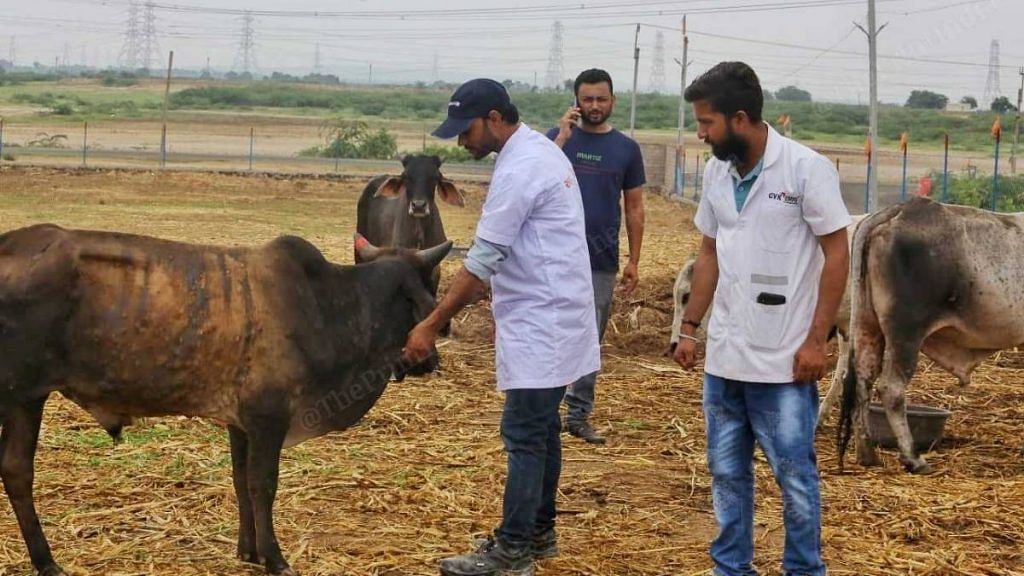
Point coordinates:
[[608, 167]]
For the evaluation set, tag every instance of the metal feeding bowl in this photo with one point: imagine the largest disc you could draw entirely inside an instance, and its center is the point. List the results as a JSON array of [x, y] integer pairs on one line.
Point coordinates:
[[926, 426]]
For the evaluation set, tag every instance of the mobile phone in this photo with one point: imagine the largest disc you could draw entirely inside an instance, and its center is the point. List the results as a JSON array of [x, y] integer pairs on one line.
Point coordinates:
[[769, 299], [579, 112]]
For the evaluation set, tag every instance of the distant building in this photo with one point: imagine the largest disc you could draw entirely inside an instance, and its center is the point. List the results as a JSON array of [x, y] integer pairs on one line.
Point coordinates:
[[958, 107]]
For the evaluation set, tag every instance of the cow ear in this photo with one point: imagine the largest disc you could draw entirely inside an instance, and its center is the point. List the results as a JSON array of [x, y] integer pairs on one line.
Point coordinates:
[[405, 160], [393, 187], [688, 269], [433, 256], [449, 193]]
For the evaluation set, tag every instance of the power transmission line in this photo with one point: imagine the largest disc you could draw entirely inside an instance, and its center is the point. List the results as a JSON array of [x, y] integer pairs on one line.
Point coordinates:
[[820, 48], [148, 48], [129, 56], [588, 10], [556, 67], [245, 59], [992, 90]]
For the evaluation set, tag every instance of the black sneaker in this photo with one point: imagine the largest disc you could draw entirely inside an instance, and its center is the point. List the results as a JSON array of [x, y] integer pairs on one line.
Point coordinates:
[[491, 558], [583, 430], [544, 545]]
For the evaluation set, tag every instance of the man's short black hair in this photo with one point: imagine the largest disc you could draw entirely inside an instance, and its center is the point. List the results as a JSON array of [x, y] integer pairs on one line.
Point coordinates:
[[729, 87], [510, 115], [592, 76]]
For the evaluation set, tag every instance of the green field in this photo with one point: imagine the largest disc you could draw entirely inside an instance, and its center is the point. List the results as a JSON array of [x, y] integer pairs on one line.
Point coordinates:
[[102, 98]]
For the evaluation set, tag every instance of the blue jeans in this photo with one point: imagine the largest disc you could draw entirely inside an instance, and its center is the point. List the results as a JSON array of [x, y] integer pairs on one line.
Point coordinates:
[[781, 418], [579, 399], [531, 430]]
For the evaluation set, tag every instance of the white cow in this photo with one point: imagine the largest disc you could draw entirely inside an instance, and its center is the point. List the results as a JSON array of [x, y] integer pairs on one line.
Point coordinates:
[[946, 281]]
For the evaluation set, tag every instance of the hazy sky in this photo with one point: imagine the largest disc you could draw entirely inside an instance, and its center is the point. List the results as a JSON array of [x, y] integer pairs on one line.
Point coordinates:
[[942, 45]]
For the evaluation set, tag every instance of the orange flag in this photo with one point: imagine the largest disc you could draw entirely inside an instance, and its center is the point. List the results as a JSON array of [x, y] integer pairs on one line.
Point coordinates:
[[904, 138], [867, 147], [997, 128]]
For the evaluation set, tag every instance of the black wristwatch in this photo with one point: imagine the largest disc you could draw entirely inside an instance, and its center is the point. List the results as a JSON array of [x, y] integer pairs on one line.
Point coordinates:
[[691, 323]]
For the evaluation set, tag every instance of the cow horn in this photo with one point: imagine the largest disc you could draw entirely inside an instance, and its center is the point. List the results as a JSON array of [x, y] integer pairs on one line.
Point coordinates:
[[433, 256], [367, 252]]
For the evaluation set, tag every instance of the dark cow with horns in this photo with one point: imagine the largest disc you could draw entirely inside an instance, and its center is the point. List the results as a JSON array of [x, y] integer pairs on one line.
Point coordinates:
[[401, 210], [276, 343]]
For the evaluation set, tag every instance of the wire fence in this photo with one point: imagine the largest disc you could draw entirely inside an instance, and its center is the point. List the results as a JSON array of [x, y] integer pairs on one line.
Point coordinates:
[[948, 175]]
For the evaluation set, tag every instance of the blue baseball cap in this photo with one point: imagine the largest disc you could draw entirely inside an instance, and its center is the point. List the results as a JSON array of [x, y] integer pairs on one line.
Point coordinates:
[[474, 99]]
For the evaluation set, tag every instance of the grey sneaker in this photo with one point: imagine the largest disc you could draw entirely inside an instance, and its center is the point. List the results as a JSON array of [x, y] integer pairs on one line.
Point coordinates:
[[583, 430], [544, 545], [491, 558]]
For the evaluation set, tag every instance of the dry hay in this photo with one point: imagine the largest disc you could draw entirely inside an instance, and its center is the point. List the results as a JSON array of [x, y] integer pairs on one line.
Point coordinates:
[[423, 472]]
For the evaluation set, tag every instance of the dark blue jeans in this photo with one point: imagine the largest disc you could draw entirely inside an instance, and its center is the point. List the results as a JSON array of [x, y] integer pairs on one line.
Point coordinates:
[[781, 419], [531, 430]]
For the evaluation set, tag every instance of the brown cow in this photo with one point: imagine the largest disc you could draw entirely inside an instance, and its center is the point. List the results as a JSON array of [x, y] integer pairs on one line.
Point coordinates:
[[276, 343]]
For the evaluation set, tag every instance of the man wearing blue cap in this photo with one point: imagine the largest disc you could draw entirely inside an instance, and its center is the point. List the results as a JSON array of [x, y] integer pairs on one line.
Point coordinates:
[[531, 247]]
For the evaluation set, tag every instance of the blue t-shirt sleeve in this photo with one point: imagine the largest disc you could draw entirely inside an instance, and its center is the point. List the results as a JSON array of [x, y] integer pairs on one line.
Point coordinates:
[[634, 176], [552, 134]]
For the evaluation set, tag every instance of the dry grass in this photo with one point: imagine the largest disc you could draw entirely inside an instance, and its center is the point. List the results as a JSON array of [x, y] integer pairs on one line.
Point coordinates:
[[424, 470]]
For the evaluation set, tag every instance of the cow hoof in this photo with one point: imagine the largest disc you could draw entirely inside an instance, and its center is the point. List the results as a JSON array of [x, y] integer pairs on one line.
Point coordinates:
[[250, 558], [920, 467], [53, 570], [868, 459], [288, 571]]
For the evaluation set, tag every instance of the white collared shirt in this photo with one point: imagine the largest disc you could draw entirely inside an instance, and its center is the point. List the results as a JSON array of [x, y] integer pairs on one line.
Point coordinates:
[[543, 298], [770, 248]]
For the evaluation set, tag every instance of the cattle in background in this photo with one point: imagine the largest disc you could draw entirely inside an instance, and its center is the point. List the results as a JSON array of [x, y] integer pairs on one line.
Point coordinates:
[[681, 297], [947, 281], [275, 343], [401, 210]]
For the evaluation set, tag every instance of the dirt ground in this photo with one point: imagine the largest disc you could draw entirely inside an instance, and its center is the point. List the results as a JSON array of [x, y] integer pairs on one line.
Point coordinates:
[[422, 474]]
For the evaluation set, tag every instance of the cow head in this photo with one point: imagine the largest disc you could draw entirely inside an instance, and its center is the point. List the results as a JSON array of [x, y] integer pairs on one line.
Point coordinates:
[[413, 301], [421, 178], [680, 298]]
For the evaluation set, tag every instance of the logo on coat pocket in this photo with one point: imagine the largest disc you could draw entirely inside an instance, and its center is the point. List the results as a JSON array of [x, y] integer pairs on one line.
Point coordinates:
[[785, 198]]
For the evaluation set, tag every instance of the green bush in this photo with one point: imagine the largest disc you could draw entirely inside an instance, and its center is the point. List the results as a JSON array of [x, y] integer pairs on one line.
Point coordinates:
[[353, 139], [447, 153], [119, 80], [9, 157], [542, 109], [976, 191]]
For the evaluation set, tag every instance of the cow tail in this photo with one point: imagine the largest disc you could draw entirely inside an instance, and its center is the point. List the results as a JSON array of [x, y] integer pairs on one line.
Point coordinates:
[[859, 294], [846, 407]]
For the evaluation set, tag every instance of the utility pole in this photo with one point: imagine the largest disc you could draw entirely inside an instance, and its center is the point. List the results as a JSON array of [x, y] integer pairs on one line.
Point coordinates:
[[872, 34], [680, 138], [636, 71], [163, 113], [1016, 123]]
